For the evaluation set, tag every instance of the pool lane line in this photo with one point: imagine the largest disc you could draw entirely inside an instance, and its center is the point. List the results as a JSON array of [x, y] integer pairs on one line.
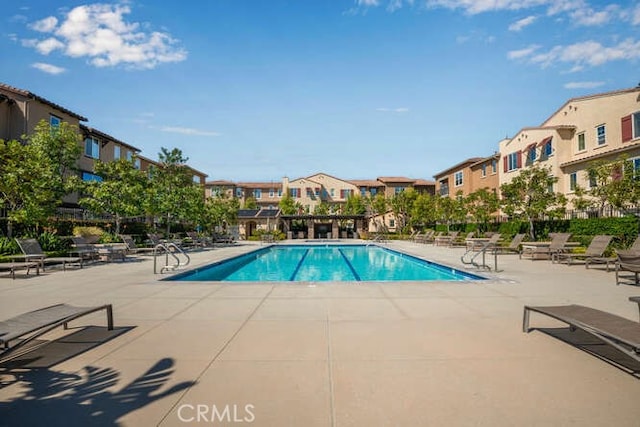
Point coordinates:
[[353, 270], [293, 276]]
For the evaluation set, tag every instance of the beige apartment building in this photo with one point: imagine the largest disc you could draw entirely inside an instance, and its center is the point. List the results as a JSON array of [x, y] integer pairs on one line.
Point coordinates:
[[457, 180], [596, 127]]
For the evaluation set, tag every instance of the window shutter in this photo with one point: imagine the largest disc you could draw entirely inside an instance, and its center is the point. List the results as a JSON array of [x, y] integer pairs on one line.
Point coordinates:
[[342, 194], [627, 129], [519, 159], [506, 164]]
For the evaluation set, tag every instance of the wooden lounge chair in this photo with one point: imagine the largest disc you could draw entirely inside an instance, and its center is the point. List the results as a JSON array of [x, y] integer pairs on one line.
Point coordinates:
[[627, 261], [28, 326], [82, 248], [33, 252], [619, 332], [594, 252]]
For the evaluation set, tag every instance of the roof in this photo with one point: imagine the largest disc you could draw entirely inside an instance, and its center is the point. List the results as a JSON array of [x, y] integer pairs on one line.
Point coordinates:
[[33, 96], [366, 183], [268, 213], [592, 96], [221, 182], [259, 184], [424, 183], [462, 164], [386, 179], [247, 213], [619, 150], [494, 156], [101, 134]]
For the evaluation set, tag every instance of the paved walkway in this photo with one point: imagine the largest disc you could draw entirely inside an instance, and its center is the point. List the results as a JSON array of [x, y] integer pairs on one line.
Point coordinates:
[[404, 354]]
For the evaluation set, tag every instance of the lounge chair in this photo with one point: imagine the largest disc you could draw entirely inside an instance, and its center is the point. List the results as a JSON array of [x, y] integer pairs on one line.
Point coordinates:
[[131, 246], [546, 250], [33, 252], [619, 332], [636, 300], [34, 324], [424, 238], [513, 247], [627, 261], [13, 266], [446, 240], [593, 254], [81, 247], [462, 241]]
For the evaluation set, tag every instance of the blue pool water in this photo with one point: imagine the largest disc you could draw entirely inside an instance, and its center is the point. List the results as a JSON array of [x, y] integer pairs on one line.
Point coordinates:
[[322, 263]]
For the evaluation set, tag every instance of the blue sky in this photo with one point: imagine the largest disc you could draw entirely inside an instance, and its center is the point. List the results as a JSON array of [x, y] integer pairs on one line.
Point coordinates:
[[257, 90]]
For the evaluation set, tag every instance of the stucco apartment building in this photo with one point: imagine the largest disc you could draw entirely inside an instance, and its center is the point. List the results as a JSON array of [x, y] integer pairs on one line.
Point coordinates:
[[22, 110], [468, 176], [595, 127]]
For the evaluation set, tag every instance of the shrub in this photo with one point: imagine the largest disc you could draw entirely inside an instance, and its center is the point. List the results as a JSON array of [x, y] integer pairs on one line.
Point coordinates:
[[8, 246]]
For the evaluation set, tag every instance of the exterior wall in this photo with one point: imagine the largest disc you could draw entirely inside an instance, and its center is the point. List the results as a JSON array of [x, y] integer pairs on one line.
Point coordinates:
[[267, 194], [391, 188], [485, 174], [446, 184]]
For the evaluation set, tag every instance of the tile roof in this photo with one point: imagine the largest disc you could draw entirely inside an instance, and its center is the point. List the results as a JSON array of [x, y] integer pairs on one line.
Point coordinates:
[[101, 134], [366, 183], [32, 95], [462, 164], [267, 185], [386, 179]]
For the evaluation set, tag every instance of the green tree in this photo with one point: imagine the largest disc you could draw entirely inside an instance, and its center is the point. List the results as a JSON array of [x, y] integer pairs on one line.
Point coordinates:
[[121, 192], [423, 210], [321, 208], [61, 148], [481, 205], [530, 196], [250, 203], [617, 184], [449, 211], [401, 204], [288, 205], [355, 205], [173, 195], [24, 189], [221, 211]]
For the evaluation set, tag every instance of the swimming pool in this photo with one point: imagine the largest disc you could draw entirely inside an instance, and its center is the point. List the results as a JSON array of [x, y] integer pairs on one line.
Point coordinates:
[[324, 263]]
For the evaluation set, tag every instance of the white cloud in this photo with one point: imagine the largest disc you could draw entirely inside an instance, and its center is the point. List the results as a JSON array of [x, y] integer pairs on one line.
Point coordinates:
[[48, 68], [588, 53], [520, 24], [45, 25], [635, 15], [522, 53], [188, 131], [586, 16], [583, 85], [474, 7], [100, 33]]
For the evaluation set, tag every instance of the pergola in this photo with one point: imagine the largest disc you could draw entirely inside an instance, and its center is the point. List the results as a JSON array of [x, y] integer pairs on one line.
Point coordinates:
[[323, 226]]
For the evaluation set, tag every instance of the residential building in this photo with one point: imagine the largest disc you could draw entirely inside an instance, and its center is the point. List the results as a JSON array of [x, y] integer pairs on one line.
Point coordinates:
[[98, 145], [219, 187], [320, 188], [595, 127], [266, 194], [456, 180]]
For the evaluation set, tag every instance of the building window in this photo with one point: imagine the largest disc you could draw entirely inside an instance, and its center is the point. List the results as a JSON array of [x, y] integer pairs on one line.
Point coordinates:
[[88, 176], [392, 223], [494, 166], [272, 192], [635, 119], [116, 152], [129, 155], [533, 154], [444, 187], [92, 148], [573, 181], [373, 191], [333, 192], [296, 192], [484, 170], [136, 163], [602, 137], [457, 179], [363, 191], [399, 190], [257, 193], [593, 180], [512, 161], [54, 121], [196, 179], [548, 149], [581, 143], [238, 192]]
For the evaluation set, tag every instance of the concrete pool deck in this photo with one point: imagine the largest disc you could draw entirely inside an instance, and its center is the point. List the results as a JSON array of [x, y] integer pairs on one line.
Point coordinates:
[[318, 355]]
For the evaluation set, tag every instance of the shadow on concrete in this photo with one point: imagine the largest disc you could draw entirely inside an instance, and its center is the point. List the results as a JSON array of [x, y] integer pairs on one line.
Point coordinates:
[[92, 396], [595, 347]]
